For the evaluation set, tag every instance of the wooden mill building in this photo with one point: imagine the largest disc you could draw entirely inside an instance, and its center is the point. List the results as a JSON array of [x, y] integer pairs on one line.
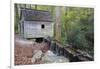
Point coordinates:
[[36, 23]]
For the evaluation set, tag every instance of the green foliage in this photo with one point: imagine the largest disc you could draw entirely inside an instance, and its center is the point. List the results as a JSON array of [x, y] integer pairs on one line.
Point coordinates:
[[77, 25], [16, 18], [78, 28]]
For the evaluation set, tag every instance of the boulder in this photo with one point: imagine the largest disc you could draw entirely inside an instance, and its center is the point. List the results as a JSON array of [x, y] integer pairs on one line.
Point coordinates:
[[36, 56], [50, 57]]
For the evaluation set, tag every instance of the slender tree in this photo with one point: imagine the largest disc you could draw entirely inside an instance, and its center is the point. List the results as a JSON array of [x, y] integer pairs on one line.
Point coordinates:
[[58, 23]]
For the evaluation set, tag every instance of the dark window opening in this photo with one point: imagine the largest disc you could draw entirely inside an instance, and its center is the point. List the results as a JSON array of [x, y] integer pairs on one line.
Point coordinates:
[[42, 26]]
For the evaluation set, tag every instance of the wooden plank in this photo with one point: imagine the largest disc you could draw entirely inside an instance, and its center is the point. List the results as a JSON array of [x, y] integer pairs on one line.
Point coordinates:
[[32, 29]]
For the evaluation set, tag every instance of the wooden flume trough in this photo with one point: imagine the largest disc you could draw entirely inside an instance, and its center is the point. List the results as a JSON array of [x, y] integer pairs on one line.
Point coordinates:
[[74, 55]]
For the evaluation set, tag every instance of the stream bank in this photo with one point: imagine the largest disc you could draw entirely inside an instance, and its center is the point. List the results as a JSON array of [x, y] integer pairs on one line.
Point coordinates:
[[31, 52]]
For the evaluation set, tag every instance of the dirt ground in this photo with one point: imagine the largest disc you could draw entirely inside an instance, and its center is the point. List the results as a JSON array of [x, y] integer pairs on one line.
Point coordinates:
[[24, 51]]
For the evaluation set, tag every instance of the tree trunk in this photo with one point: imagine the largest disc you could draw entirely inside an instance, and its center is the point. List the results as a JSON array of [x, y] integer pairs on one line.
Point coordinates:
[[58, 23], [16, 19], [36, 7]]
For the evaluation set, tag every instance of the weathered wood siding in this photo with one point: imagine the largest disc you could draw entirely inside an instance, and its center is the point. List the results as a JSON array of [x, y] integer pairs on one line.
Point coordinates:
[[32, 29]]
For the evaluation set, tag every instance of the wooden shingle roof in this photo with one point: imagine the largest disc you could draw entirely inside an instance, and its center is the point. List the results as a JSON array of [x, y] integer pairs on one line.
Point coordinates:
[[36, 15]]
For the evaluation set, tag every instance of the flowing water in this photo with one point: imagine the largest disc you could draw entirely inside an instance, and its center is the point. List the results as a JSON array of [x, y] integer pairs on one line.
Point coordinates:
[[50, 57]]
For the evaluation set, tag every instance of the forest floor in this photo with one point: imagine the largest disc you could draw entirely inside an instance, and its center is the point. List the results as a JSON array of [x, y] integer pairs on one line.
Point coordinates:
[[30, 52]]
